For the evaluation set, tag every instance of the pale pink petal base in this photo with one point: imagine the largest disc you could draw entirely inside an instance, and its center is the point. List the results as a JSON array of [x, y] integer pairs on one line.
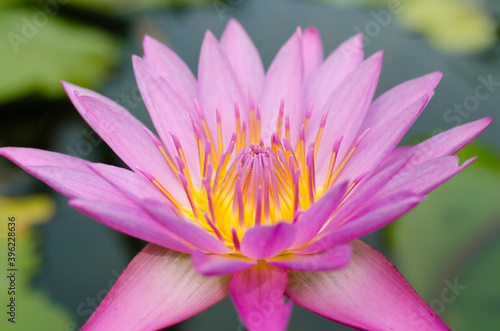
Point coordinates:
[[331, 259], [257, 294], [157, 289], [368, 294], [217, 264]]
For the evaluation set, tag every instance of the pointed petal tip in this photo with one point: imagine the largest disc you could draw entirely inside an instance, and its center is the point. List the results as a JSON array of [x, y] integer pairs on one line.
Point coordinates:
[[356, 40], [233, 23], [4, 151], [149, 44], [146, 40], [68, 87], [437, 74], [312, 30], [209, 36], [138, 64], [487, 120], [468, 162]]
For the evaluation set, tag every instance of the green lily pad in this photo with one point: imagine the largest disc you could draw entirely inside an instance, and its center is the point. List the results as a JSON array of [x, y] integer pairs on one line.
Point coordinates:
[[448, 248], [127, 6], [451, 25], [24, 307], [39, 49]]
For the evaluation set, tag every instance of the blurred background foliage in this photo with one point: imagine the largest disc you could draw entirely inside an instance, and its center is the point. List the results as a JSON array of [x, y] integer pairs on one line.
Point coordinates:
[[67, 262], [462, 26]]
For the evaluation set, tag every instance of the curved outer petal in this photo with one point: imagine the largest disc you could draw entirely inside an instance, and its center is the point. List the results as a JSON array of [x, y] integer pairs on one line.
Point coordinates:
[[216, 264], [425, 177], [257, 294], [186, 230], [312, 52], [130, 184], [337, 66], [132, 221], [363, 192], [368, 294], [395, 152], [66, 174], [284, 81], [335, 258], [313, 219], [117, 127], [378, 143], [157, 289], [218, 89], [168, 65], [347, 108], [445, 143], [371, 218], [244, 59], [398, 98], [265, 241], [169, 112]]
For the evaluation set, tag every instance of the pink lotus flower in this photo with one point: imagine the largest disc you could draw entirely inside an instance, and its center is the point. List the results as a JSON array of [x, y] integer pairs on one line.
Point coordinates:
[[259, 184]]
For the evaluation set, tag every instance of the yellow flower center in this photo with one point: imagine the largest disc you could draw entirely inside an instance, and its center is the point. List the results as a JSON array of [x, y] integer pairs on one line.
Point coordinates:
[[250, 183]]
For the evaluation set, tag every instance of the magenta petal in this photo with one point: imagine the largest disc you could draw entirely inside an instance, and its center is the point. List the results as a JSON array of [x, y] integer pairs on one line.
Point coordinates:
[[284, 81], [169, 112], [185, 229], [265, 241], [257, 294], [398, 98], [337, 66], [365, 221], [425, 177], [445, 143], [244, 59], [216, 264], [68, 175], [32, 157], [395, 152], [335, 258], [132, 221], [347, 105], [368, 294], [218, 89], [116, 126], [313, 219], [367, 188], [312, 52], [157, 289], [378, 143], [168, 65], [131, 184]]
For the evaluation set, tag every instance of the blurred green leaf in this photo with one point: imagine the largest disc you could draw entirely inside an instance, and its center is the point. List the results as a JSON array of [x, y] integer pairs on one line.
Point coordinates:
[[457, 26], [126, 6], [453, 237], [33, 307], [40, 50], [452, 25], [358, 2]]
